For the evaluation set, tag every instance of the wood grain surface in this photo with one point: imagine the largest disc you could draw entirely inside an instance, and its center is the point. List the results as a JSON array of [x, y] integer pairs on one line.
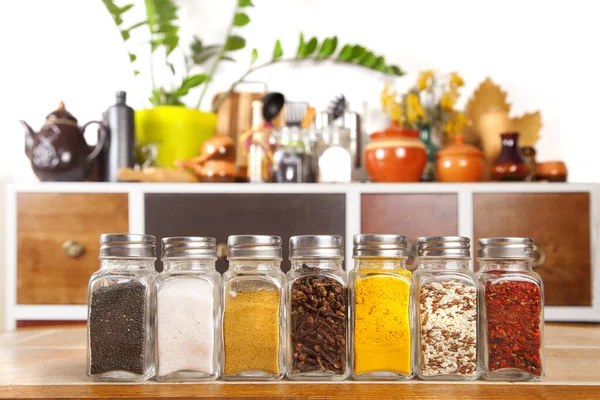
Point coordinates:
[[559, 223], [44, 222], [50, 364]]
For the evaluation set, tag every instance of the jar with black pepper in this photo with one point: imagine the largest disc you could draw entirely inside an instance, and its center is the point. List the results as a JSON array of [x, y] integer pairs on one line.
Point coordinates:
[[446, 301], [120, 340], [253, 309], [317, 324], [188, 311], [511, 310]]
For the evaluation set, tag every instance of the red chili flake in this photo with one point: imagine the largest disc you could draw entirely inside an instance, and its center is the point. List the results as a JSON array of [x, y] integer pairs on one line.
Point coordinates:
[[513, 315]]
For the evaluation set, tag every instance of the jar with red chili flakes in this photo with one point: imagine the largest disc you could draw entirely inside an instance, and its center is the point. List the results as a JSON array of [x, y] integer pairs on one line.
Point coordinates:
[[511, 311]]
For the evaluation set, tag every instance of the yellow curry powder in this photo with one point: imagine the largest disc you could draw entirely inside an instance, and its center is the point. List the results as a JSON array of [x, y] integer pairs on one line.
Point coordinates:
[[382, 339], [251, 332]]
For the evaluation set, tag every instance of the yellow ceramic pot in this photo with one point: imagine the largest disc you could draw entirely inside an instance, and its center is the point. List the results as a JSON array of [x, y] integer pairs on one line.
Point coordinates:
[[176, 132], [459, 162]]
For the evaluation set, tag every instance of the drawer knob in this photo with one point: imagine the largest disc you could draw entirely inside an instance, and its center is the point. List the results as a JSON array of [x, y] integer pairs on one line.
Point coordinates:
[[539, 256], [222, 251], [72, 248]]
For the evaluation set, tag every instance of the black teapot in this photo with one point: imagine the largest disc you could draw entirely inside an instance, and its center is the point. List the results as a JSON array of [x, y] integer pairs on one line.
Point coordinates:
[[59, 152]]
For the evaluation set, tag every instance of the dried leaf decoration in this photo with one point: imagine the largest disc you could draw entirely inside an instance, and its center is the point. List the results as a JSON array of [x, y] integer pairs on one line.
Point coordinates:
[[529, 126], [487, 97]]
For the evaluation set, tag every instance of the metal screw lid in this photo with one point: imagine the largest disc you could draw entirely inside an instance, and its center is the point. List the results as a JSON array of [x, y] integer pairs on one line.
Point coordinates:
[[379, 246], [189, 247], [443, 246], [122, 245], [316, 246], [254, 246], [505, 247]]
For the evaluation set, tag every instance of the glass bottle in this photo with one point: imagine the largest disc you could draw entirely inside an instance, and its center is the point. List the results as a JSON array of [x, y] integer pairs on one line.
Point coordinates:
[[120, 335], [259, 151], [316, 309], [188, 311], [381, 312], [253, 309], [511, 311], [446, 304], [292, 159], [334, 155], [528, 154]]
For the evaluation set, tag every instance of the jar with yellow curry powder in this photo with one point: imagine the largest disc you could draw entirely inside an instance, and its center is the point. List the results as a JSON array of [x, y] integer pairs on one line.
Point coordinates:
[[253, 309], [381, 314]]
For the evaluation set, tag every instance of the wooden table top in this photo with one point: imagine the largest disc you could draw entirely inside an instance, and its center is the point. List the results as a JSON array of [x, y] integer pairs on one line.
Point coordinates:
[[50, 364]]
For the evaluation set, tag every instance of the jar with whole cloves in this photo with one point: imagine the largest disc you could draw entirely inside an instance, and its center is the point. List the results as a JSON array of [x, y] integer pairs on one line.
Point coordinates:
[[120, 336], [188, 306], [317, 324], [253, 309], [446, 301], [511, 316]]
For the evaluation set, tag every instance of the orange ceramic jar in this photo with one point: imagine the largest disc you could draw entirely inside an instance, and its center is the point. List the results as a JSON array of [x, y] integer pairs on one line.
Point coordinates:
[[395, 155], [459, 162]]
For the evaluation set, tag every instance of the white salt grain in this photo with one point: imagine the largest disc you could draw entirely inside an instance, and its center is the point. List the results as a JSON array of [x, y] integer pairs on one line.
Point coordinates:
[[185, 326]]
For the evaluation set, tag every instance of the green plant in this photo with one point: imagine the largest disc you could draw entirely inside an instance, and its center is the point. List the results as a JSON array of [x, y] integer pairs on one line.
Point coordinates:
[[164, 34]]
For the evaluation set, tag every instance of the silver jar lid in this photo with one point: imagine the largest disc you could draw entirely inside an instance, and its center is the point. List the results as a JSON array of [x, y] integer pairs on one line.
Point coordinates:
[[316, 246], [379, 246], [505, 247], [120, 245], [443, 246], [253, 246], [189, 247]]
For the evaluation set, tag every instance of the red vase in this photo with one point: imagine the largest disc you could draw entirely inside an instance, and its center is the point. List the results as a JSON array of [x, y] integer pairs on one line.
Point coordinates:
[[395, 155], [510, 166]]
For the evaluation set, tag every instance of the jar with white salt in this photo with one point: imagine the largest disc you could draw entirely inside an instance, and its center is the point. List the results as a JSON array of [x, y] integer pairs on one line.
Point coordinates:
[[446, 302], [188, 309]]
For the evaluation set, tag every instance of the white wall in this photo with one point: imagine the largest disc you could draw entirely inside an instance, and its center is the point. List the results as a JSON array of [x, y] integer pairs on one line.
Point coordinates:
[[542, 52]]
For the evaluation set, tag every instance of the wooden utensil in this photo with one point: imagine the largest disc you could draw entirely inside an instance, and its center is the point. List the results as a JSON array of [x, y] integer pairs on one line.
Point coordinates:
[[309, 116], [153, 174]]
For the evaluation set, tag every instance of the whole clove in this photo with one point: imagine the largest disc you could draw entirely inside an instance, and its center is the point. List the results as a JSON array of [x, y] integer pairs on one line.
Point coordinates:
[[318, 326]]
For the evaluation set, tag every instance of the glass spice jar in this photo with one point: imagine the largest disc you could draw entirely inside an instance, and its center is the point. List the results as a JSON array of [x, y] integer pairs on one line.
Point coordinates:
[[317, 323], [253, 309], [293, 162], [188, 311], [511, 311], [381, 309], [120, 340], [446, 302]]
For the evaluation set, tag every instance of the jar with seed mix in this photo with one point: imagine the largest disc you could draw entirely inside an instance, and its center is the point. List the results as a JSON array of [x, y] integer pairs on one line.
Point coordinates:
[[253, 309], [381, 310], [120, 340], [188, 311], [511, 310], [316, 309], [446, 302]]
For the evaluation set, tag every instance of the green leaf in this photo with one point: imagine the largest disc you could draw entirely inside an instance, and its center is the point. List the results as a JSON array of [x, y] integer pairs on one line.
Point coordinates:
[[136, 72], [357, 53], [201, 54], [370, 60], [125, 35], [132, 27], [311, 46], [162, 16], [126, 8], [277, 51], [327, 48], [115, 11], [380, 64], [132, 57], [245, 3], [301, 46], [171, 67], [395, 70], [235, 42], [227, 58], [190, 83], [346, 53], [241, 19], [254, 57]]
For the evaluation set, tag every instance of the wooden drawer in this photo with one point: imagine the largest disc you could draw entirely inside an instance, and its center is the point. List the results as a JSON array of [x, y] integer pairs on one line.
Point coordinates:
[[45, 275], [413, 215], [559, 223], [221, 215]]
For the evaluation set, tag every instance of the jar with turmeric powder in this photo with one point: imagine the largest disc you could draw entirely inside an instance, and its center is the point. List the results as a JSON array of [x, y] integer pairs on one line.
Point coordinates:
[[317, 309], [253, 309], [446, 297], [381, 314]]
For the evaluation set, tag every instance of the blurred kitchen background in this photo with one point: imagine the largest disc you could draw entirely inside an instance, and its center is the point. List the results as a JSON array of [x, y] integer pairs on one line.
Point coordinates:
[[540, 53]]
